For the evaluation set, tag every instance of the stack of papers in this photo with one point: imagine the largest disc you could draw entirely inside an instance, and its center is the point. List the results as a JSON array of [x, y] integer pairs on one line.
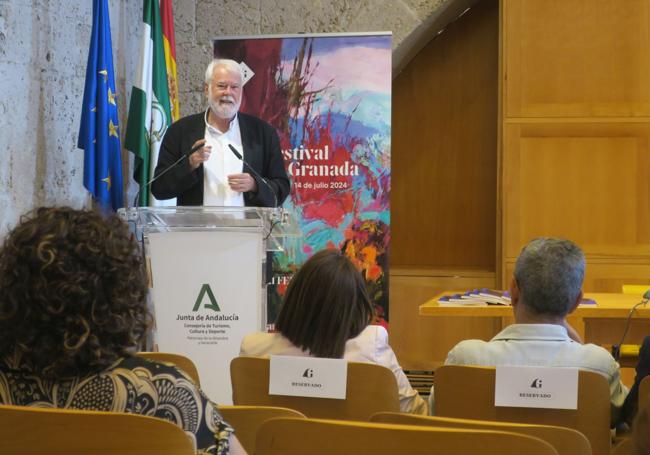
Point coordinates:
[[476, 297]]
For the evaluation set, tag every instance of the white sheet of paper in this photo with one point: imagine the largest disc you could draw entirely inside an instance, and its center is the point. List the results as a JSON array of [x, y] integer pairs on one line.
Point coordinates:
[[308, 377], [536, 387]]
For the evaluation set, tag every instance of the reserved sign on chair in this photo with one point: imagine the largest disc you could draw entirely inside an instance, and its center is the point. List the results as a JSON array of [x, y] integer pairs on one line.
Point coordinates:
[[308, 377], [536, 387]]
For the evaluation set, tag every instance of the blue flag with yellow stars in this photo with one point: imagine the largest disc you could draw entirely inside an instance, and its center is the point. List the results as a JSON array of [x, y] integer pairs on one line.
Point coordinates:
[[98, 133]]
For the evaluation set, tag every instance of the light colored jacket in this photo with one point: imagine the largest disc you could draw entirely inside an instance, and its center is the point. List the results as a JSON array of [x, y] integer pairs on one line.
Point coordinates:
[[371, 346]]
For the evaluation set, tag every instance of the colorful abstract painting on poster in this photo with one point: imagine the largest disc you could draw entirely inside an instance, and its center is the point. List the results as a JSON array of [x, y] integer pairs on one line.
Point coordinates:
[[329, 97]]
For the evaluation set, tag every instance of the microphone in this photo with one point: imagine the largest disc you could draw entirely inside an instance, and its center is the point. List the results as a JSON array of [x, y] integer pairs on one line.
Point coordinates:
[[169, 168], [241, 158], [616, 348]]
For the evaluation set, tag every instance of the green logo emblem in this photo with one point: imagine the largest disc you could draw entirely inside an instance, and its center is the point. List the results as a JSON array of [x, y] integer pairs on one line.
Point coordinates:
[[212, 304]]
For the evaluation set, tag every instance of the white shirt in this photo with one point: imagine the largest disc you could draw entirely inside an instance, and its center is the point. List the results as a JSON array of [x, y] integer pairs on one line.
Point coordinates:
[[371, 346], [221, 164]]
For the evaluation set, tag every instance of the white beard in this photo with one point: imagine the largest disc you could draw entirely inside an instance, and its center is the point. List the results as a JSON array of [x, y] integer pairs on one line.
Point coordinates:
[[225, 111]]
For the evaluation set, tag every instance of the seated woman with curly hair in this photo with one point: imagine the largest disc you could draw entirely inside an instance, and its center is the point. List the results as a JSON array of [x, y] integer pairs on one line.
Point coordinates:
[[326, 312], [73, 314]]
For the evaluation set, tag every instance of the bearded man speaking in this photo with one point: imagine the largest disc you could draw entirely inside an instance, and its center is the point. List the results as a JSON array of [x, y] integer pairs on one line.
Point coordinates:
[[213, 174]]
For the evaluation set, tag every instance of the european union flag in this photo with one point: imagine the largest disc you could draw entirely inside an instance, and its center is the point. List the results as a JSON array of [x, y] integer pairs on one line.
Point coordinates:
[[98, 133]]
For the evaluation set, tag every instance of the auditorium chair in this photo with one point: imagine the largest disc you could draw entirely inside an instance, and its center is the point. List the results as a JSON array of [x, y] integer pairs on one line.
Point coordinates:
[[177, 360], [467, 392], [370, 388], [625, 447], [289, 436], [644, 392], [566, 441], [36, 431], [246, 420]]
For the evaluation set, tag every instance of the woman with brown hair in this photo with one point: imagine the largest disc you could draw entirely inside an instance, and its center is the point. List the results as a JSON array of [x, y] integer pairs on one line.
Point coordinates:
[[73, 314], [327, 313]]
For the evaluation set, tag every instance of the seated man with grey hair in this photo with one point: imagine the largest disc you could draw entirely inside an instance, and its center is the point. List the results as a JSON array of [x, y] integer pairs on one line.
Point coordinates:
[[546, 287]]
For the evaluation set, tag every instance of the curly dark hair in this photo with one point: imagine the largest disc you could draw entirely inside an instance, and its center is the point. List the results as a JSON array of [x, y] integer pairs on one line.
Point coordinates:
[[72, 292]]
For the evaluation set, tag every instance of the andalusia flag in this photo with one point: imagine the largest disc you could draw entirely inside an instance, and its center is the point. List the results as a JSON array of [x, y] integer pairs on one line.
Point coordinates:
[[149, 112], [167, 16]]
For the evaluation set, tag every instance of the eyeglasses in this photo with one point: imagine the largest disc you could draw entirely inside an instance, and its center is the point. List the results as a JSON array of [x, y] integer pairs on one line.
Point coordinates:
[[222, 86]]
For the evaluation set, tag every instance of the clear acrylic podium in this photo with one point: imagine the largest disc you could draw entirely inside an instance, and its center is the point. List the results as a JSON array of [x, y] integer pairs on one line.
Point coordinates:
[[207, 271]]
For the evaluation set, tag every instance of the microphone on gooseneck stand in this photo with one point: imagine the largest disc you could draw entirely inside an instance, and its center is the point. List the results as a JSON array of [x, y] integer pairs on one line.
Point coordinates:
[[616, 349], [269, 254], [238, 155], [169, 168]]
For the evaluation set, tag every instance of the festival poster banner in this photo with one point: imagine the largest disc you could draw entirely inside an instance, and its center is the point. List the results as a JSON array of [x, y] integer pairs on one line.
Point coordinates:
[[329, 98]]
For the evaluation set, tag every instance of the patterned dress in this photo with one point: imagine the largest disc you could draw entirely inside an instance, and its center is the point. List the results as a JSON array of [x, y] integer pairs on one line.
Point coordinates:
[[134, 385]]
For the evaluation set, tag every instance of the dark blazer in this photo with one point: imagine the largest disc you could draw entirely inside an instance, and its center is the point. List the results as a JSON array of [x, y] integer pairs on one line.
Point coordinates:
[[261, 150], [642, 370]]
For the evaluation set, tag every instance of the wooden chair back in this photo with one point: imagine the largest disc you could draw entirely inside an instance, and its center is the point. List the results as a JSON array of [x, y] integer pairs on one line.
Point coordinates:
[[178, 360], [624, 447], [247, 420], [566, 441], [467, 392], [324, 437], [644, 392], [370, 388], [35, 431]]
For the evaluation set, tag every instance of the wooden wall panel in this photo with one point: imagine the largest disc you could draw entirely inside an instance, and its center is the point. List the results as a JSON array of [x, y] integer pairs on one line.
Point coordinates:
[[575, 129], [443, 195], [422, 343], [610, 274], [606, 274], [586, 182], [576, 58]]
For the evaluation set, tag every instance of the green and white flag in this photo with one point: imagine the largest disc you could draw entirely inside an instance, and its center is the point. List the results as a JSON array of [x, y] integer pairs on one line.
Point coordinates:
[[149, 111]]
